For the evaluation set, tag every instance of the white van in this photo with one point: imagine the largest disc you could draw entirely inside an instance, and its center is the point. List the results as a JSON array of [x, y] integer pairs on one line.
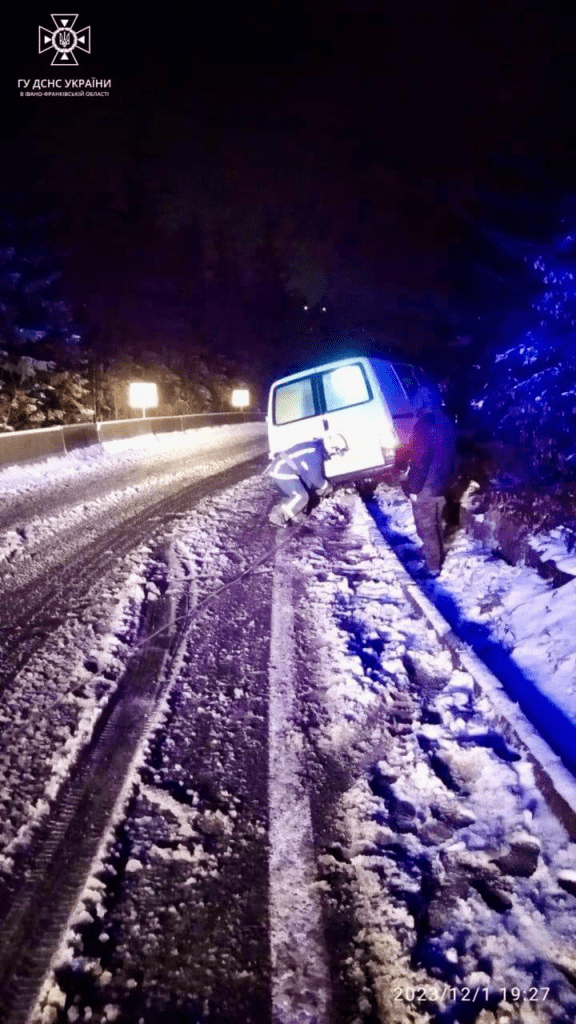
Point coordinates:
[[363, 404]]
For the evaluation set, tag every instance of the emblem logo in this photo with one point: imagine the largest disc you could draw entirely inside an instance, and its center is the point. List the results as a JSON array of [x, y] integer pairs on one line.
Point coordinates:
[[64, 39]]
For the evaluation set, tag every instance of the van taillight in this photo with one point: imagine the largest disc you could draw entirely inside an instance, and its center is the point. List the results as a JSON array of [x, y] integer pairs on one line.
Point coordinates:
[[389, 442]]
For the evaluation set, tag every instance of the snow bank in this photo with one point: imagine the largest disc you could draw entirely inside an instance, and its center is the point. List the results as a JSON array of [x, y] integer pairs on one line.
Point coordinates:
[[533, 622]]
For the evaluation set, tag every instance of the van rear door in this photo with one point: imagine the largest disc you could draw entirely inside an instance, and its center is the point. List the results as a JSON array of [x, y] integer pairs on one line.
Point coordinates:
[[352, 409], [294, 414]]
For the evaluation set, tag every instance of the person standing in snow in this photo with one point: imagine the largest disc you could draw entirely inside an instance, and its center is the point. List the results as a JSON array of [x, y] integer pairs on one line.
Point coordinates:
[[430, 475], [297, 473]]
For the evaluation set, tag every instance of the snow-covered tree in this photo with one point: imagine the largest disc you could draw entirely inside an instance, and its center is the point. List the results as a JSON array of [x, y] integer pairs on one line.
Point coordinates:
[[42, 378], [528, 396]]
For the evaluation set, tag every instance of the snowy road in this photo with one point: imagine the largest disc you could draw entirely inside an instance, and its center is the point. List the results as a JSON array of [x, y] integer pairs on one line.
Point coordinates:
[[246, 779]]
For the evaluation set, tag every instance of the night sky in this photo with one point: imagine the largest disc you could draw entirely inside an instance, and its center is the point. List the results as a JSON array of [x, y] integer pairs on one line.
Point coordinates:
[[364, 135]]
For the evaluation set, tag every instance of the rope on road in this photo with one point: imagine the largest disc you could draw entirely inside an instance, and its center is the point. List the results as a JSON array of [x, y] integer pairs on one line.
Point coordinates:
[[191, 615]]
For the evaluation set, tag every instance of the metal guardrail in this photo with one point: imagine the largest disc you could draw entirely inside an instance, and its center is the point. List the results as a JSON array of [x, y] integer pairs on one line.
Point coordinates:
[[31, 445]]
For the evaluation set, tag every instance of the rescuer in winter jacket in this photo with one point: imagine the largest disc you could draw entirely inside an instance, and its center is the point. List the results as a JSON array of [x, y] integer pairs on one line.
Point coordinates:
[[430, 474], [298, 473]]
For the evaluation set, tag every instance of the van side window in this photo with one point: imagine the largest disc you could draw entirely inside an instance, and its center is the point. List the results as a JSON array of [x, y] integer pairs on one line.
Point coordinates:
[[344, 386], [408, 378], [294, 401]]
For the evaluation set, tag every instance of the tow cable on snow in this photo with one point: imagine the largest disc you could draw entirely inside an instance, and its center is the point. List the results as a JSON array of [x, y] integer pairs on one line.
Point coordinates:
[[191, 615]]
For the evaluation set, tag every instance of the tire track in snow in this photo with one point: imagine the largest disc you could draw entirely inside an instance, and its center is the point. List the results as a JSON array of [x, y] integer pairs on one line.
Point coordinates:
[[62, 853], [300, 977], [190, 850], [31, 929], [31, 611]]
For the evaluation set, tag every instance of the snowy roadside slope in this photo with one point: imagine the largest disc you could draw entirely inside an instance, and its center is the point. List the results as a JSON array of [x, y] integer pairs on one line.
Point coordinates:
[[533, 622], [463, 882]]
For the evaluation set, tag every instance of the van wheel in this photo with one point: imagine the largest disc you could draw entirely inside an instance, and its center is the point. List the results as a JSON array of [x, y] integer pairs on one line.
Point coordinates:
[[366, 489]]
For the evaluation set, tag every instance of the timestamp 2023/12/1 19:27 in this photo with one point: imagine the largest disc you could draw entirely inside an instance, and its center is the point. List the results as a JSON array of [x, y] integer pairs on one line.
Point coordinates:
[[490, 995]]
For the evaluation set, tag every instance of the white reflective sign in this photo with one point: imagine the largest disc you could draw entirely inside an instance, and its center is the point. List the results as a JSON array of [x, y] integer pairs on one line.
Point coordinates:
[[143, 396], [240, 398]]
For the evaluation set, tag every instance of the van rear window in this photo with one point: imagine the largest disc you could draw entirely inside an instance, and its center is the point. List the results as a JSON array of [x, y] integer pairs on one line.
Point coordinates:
[[344, 386], [294, 401]]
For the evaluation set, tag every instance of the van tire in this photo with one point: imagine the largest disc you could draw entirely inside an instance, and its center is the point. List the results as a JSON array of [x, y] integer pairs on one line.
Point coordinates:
[[366, 489]]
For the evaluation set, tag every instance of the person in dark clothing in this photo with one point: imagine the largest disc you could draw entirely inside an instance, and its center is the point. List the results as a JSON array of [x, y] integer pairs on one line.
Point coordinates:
[[298, 473], [431, 472]]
